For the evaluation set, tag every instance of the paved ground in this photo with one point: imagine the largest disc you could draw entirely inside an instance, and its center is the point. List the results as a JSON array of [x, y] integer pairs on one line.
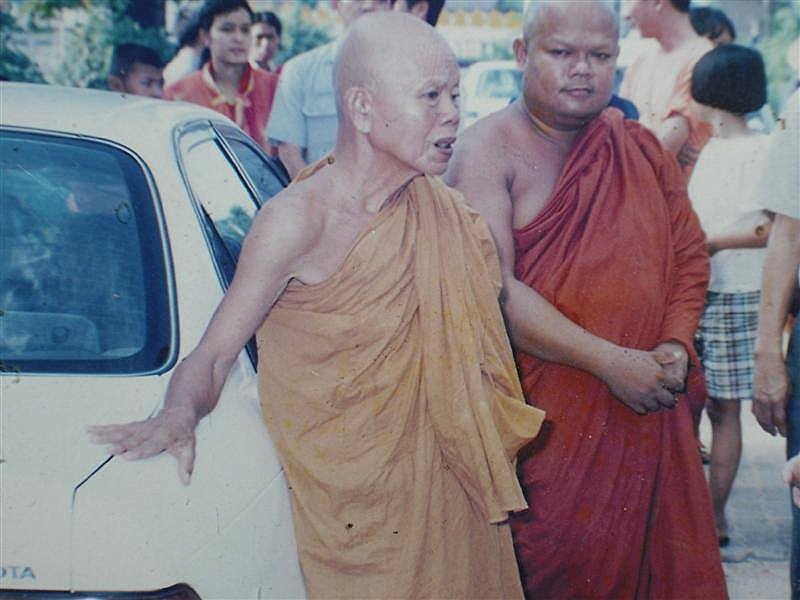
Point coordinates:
[[757, 560]]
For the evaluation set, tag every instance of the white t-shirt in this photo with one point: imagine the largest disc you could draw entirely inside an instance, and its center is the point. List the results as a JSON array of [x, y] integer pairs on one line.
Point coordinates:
[[725, 195]]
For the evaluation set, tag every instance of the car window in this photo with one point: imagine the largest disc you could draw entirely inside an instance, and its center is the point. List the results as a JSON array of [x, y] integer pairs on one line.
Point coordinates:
[[266, 173], [227, 206], [83, 286]]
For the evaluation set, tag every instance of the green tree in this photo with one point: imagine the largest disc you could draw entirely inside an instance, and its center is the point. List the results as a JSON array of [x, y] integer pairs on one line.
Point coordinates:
[[14, 65], [783, 28], [299, 35], [89, 43]]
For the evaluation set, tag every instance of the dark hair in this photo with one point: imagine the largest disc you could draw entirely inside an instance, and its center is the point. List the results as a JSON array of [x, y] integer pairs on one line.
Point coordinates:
[[211, 9], [125, 55], [711, 22], [681, 5], [434, 9], [730, 77], [270, 18], [189, 32]]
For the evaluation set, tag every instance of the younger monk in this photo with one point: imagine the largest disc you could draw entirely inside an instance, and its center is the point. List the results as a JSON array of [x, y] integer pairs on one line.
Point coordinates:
[[604, 271], [386, 377], [227, 83]]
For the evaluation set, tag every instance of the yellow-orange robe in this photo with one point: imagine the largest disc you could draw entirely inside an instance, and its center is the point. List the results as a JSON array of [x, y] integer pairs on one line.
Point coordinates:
[[391, 394]]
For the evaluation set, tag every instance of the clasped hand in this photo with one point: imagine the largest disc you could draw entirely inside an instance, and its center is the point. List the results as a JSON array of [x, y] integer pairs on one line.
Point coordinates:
[[648, 381]]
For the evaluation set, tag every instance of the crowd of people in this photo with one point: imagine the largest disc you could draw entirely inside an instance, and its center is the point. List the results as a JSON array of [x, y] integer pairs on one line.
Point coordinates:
[[484, 355]]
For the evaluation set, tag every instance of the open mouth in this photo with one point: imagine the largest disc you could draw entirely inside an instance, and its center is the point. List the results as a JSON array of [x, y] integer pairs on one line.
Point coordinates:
[[445, 143]]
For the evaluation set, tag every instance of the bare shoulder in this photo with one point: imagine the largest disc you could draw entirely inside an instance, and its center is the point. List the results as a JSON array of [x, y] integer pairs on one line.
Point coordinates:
[[288, 226], [487, 146]]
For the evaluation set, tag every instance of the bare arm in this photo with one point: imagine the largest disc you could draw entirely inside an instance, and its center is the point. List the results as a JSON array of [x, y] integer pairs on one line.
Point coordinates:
[[291, 156], [779, 278], [535, 325], [271, 253], [752, 238]]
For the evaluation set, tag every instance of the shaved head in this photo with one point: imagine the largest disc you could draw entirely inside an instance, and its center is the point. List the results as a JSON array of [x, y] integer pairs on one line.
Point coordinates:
[[539, 12], [379, 46]]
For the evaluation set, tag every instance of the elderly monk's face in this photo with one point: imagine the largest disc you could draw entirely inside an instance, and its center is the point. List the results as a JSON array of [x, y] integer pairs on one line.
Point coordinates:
[[568, 64], [416, 108]]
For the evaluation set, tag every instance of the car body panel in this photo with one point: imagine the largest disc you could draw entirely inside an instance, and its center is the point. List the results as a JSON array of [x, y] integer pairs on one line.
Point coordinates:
[[74, 518]]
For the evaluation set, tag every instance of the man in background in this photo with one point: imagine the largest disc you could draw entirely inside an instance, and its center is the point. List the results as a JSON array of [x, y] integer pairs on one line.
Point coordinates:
[[303, 120], [267, 30], [659, 80]]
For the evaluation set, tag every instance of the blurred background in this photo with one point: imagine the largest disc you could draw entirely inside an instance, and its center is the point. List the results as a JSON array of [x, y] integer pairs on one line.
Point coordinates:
[[69, 42]]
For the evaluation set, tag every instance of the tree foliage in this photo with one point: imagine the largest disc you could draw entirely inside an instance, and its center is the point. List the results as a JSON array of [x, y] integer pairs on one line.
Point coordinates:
[[783, 29], [14, 65], [299, 35]]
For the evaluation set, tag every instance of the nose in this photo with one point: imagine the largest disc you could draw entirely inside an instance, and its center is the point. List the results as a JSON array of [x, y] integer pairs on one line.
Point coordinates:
[[451, 112], [581, 67]]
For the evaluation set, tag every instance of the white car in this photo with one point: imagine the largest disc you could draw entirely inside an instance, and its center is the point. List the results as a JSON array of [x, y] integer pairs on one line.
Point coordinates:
[[121, 219], [486, 87]]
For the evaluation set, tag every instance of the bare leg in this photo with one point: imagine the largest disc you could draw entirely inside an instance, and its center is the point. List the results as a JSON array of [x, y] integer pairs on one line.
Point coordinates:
[[726, 451]]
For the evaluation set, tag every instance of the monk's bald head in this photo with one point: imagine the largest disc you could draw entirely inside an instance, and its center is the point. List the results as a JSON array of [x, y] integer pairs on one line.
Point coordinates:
[[541, 13], [379, 46]]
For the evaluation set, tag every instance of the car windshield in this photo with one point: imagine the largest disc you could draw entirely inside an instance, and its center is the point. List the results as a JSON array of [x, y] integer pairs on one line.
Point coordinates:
[[83, 287]]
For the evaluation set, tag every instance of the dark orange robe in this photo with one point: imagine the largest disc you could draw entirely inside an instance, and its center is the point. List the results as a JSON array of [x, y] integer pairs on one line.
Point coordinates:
[[249, 110], [619, 506]]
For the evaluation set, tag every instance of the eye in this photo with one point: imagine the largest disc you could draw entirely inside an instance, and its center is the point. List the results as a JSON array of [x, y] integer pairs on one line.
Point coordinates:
[[559, 52], [432, 95], [604, 56]]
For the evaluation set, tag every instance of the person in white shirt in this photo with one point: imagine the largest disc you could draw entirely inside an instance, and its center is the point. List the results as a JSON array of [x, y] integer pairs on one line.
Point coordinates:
[[727, 83]]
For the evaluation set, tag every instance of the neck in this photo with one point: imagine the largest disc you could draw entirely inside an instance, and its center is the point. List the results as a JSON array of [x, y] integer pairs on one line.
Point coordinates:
[[727, 125], [560, 139], [677, 31], [368, 177], [227, 76]]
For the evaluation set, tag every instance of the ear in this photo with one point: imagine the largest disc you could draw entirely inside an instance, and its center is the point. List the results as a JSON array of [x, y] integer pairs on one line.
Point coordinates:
[[115, 84], [420, 9], [359, 107], [204, 38], [520, 51]]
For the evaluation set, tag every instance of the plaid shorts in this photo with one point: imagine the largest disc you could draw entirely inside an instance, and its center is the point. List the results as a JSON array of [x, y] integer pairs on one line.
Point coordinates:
[[725, 339]]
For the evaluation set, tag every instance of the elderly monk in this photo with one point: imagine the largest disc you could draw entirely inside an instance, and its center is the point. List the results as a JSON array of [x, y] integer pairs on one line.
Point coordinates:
[[604, 271], [386, 377]]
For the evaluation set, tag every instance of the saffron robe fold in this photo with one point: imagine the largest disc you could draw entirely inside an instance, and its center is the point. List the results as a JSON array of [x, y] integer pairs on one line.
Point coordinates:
[[391, 393], [619, 505]]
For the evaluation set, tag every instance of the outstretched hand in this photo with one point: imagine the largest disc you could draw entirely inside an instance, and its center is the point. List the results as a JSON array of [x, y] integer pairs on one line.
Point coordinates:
[[171, 430], [638, 380]]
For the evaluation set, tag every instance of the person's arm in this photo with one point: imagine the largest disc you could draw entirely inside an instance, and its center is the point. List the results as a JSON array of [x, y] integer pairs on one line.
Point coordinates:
[[291, 156], [791, 475], [269, 257], [691, 269], [673, 134], [755, 237], [287, 128], [778, 281], [535, 325]]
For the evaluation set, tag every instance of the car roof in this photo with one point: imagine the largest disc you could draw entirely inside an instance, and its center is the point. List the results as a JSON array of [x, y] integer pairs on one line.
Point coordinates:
[[95, 113]]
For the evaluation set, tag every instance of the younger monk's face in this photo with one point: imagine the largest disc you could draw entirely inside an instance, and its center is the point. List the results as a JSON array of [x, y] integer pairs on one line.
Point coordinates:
[[568, 63], [228, 40], [416, 108]]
